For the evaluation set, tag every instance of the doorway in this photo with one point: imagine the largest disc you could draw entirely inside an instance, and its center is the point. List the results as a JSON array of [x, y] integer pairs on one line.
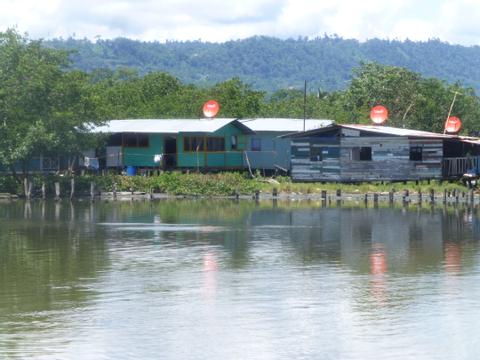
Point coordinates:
[[170, 153]]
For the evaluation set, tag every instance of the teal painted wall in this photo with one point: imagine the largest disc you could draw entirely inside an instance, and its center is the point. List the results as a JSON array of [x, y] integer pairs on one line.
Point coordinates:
[[137, 156], [224, 159]]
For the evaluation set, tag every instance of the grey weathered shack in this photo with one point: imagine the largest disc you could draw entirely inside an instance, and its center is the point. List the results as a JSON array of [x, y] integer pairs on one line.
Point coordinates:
[[353, 153]]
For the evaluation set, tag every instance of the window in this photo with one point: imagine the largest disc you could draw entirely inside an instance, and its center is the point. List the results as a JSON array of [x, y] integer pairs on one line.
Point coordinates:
[[416, 153], [363, 153], [215, 144], [135, 140], [115, 140], [130, 140], [256, 144], [49, 163], [234, 142], [193, 143], [316, 153], [142, 140]]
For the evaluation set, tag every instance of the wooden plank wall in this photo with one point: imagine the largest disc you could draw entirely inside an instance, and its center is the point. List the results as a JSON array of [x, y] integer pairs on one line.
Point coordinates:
[[390, 159], [304, 169]]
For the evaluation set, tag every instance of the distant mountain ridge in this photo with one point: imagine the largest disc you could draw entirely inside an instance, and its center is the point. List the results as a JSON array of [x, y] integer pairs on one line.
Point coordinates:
[[271, 64]]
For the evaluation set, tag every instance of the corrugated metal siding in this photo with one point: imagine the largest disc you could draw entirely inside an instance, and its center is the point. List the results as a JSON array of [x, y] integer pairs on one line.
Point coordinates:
[[274, 151], [114, 156]]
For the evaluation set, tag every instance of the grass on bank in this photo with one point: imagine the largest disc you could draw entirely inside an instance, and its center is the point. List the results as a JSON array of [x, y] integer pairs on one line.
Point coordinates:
[[218, 184]]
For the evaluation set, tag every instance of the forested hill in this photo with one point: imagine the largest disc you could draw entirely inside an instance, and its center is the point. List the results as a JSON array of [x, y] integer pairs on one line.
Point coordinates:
[[271, 64]]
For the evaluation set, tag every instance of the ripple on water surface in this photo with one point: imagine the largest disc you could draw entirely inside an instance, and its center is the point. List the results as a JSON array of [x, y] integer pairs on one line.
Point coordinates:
[[174, 280]]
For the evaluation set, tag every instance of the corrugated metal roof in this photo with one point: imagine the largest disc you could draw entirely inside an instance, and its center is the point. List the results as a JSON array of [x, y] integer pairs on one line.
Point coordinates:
[[387, 130], [284, 125], [396, 131], [169, 126]]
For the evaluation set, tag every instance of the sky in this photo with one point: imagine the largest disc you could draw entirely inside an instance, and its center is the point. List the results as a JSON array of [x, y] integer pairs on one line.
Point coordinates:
[[222, 20]]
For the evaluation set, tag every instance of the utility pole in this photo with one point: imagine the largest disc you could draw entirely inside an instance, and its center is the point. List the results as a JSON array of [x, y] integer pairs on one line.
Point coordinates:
[[304, 105], [455, 93]]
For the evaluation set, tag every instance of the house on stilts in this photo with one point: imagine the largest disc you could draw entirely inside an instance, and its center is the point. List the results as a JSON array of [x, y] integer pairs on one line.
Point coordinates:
[[355, 153]]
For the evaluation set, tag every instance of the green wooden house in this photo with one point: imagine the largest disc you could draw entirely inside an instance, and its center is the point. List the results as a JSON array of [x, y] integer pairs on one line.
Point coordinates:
[[204, 144]]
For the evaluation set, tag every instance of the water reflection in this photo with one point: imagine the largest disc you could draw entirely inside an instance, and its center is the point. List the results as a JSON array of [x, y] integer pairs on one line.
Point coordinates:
[[73, 274]]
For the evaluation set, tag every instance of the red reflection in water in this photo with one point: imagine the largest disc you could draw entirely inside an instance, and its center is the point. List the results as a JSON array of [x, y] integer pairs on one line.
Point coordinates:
[[210, 262], [378, 261], [453, 258], [210, 268], [378, 268]]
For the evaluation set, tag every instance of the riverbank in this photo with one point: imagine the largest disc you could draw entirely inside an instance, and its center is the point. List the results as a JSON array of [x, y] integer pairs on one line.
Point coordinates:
[[222, 185]]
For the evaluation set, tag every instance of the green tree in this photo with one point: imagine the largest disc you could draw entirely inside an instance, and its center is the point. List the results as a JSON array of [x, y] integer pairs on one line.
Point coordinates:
[[237, 99], [41, 104], [413, 101], [375, 84]]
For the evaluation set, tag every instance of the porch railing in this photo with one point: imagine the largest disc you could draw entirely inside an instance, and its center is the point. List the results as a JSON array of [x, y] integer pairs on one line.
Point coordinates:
[[456, 167]]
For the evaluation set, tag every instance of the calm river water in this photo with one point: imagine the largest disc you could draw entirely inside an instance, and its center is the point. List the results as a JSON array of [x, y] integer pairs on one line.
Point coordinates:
[[214, 280]]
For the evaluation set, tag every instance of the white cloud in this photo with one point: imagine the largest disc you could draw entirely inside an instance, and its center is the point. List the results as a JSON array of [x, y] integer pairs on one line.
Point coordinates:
[[221, 20]]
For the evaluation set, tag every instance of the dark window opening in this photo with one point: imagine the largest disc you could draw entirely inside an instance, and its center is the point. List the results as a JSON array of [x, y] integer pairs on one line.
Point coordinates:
[[130, 140], [115, 140], [193, 143], [234, 142], [215, 144], [135, 140], [256, 144], [49, 163], [416, 153], [363, 153], [142, 140], [316, 153]]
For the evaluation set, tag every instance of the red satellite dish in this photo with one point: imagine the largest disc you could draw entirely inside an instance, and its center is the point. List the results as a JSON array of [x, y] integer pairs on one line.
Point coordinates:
[[453, 125], [379, 114], [210, 108]]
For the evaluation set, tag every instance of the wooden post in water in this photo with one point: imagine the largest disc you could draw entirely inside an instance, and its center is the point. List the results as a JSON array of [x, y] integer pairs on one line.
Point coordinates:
[[444, 196], [339, 193], [57, 190], [366, 199], [420, 197], [391, 196], [72, 188], [405, 196], [257, 195], [274, 192], [324, 195], [375, 199], [432, 196], [44, 191], [472, 197]]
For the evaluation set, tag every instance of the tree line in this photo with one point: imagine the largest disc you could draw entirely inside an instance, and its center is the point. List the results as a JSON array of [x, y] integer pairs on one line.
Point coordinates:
[[270, 64], [47, 106]]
